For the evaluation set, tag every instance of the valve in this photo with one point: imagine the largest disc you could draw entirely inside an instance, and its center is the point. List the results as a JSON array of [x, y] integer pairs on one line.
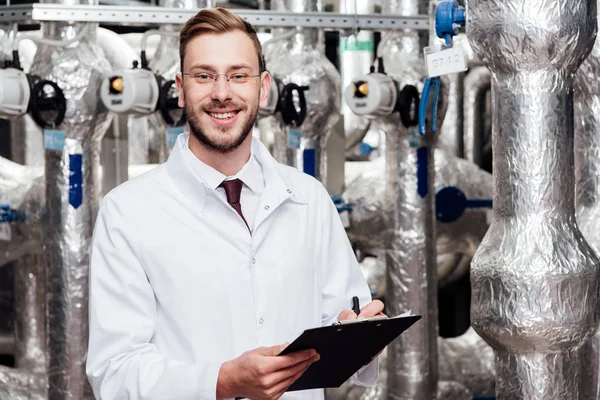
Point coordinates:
[[344, 209], [282, 99], [377, 95], [138, 92], [8, 214], [449, 16], [451, 203], [21, 93]]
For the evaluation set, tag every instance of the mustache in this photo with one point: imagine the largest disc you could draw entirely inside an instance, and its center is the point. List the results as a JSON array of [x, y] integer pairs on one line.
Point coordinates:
[[217, 105]]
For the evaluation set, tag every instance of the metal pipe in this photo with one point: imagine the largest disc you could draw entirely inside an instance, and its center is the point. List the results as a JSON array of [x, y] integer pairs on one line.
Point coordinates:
[[477, 84], [534, 278], [469, 360], [22, 188], [410, 240], [587, 187], [356, 52], [300, 59], [451, 137], [365, 187], [73, 188]]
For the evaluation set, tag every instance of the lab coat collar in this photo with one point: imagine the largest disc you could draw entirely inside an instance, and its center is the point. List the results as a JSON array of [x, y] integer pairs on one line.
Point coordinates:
[[274, 179], [187, 178]]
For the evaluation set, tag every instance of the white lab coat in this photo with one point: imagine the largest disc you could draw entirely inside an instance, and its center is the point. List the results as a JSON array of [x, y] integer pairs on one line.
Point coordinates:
[[178, 285]]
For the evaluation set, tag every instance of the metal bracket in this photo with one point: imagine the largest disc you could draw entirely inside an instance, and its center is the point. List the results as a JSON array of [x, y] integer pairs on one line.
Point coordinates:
[[33, 13]]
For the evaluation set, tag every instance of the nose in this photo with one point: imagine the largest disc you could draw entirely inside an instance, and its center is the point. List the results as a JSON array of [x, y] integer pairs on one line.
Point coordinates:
[[222, 90]]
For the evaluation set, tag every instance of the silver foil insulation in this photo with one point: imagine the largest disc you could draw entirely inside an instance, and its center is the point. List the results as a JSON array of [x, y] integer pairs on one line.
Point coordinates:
[[534, 278], [73, 187], [297, 56]]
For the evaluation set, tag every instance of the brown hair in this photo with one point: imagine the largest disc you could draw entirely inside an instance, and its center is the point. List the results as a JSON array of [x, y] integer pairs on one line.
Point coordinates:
[[217, 20]]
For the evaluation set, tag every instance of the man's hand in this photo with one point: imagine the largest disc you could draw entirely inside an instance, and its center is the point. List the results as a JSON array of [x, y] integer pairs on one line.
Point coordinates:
[[261, 374], [373, 309]]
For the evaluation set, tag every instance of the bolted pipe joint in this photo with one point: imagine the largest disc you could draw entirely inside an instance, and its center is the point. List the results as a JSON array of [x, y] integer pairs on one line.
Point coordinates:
[[534, 277]]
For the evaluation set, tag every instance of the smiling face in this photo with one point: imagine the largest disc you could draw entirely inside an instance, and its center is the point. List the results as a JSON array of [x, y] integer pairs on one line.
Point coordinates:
[[221, 114]]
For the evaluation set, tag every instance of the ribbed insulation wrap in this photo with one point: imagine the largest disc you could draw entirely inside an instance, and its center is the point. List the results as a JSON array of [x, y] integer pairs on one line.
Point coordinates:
[[534, 278], [73, 188], [587, 187], [298, 56]]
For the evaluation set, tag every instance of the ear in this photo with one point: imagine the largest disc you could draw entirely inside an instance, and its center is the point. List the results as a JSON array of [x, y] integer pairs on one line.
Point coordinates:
[[265, 87], [179, 85]]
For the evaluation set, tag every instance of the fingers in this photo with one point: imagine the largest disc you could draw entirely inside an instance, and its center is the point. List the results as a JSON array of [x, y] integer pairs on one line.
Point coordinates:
[[370, 310], [285, 383], [289, 360], [346, 315]]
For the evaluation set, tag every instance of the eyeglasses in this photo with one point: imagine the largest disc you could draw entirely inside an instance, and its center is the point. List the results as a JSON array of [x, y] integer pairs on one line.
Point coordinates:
[[204, 78]]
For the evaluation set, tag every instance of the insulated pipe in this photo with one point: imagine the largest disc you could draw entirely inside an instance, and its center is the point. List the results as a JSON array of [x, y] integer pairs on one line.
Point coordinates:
[[365, 190], [477, 84], [22, 188], [451, 137], [587, 185], [297, 56], [410, 240], [73, 188], [534, 278], [356, 52]]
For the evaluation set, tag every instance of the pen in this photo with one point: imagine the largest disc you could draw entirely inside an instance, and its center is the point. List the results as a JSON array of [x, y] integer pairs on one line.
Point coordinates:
[[355, 305]]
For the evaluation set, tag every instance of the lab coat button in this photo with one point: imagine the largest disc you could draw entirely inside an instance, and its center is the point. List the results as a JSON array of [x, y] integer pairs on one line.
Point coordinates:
[[260, 321], [267, 207], [253, 261]]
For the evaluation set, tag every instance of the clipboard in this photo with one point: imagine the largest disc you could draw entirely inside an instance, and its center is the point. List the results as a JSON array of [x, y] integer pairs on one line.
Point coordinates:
[[344, 349]]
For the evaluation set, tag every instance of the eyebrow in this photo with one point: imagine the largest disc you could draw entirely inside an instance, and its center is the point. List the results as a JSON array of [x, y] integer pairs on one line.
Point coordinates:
[[211, 68]]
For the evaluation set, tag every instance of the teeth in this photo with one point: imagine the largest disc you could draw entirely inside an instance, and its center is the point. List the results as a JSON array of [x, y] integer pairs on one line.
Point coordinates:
[[222, 115]]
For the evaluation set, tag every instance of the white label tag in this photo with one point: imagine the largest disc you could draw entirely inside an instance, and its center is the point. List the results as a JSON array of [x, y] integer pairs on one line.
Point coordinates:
[[444, 62], [5, 231], [54, 140], [294, 138]]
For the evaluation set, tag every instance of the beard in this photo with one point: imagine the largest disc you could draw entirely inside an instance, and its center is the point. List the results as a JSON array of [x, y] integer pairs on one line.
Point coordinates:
[[224, 143]]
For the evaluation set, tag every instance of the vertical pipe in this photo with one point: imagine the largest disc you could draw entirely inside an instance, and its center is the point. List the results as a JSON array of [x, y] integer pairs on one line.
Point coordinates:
[[477, 84], [587, 187], [356, 52], [410, 234], [298, 57], [534, 278], [451, 137], [73, 188]]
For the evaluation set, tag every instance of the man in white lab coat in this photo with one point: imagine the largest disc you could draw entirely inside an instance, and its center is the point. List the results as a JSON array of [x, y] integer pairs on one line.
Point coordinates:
[[203, 268]]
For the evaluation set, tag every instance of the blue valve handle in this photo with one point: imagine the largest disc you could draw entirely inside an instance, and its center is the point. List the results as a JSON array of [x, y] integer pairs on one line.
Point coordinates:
[[448, 14], [423, 105], [7, 214], [451, 203], [340, 204]]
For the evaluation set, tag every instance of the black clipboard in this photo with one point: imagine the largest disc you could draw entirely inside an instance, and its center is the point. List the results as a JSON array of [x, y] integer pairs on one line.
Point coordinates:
[[344, 349]]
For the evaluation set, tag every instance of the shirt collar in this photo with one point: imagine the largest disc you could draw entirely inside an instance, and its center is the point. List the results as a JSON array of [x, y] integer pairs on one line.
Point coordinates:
[[251, 173]]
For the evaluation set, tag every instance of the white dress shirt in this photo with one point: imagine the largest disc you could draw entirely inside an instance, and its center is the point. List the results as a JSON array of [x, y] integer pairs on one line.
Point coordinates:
[[251, 174], [178, 285]]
